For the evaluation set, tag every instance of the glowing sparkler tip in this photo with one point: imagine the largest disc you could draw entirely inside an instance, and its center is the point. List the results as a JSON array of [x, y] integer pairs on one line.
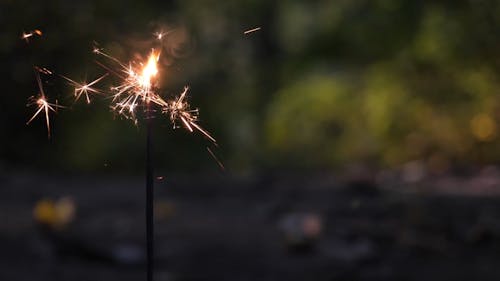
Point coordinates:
[[150, 70]]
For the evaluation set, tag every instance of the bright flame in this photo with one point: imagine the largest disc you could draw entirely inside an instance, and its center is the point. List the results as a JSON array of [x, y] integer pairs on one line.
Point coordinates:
[[150, 70]]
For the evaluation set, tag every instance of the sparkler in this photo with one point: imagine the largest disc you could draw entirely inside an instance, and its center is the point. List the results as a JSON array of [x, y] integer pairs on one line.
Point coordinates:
[[137, 88]]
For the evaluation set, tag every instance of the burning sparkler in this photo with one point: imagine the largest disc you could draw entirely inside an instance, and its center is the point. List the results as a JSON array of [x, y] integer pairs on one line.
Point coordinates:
[[137, 89], [136, 86]]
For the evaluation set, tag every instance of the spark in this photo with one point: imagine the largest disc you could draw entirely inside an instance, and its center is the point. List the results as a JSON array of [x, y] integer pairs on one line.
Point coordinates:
[[25, 36], [160, 34], [43, 70], [252, 30], [216, 159], [84, 88], [179, 109], [42, 104]]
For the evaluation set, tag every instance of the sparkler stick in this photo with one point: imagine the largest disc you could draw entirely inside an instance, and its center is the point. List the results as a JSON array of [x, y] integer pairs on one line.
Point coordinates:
[[149, 196], [148, 72]]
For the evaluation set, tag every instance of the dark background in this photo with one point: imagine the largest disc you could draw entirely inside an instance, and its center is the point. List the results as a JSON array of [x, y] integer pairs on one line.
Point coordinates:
[[377, 120]]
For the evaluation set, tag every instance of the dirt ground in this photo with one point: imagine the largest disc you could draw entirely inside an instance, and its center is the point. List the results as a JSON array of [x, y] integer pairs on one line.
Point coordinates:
[[282, 227]]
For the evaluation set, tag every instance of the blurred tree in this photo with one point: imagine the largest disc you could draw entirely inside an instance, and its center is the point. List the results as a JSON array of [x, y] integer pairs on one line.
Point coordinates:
[[323, 83]]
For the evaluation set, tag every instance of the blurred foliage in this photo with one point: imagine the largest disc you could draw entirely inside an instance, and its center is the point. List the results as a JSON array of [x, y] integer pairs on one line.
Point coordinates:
[[324, 83]]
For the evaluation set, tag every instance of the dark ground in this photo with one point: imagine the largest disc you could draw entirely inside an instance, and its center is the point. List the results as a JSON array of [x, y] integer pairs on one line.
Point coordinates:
[[221, 229]]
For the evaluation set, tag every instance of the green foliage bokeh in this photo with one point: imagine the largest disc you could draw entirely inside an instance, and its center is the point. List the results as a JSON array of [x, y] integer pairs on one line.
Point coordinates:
[[324, 83]]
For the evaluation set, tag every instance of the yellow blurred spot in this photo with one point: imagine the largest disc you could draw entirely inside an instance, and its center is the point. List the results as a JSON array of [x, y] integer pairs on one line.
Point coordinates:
[[44, 212], [54, 214], [483, 127]]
